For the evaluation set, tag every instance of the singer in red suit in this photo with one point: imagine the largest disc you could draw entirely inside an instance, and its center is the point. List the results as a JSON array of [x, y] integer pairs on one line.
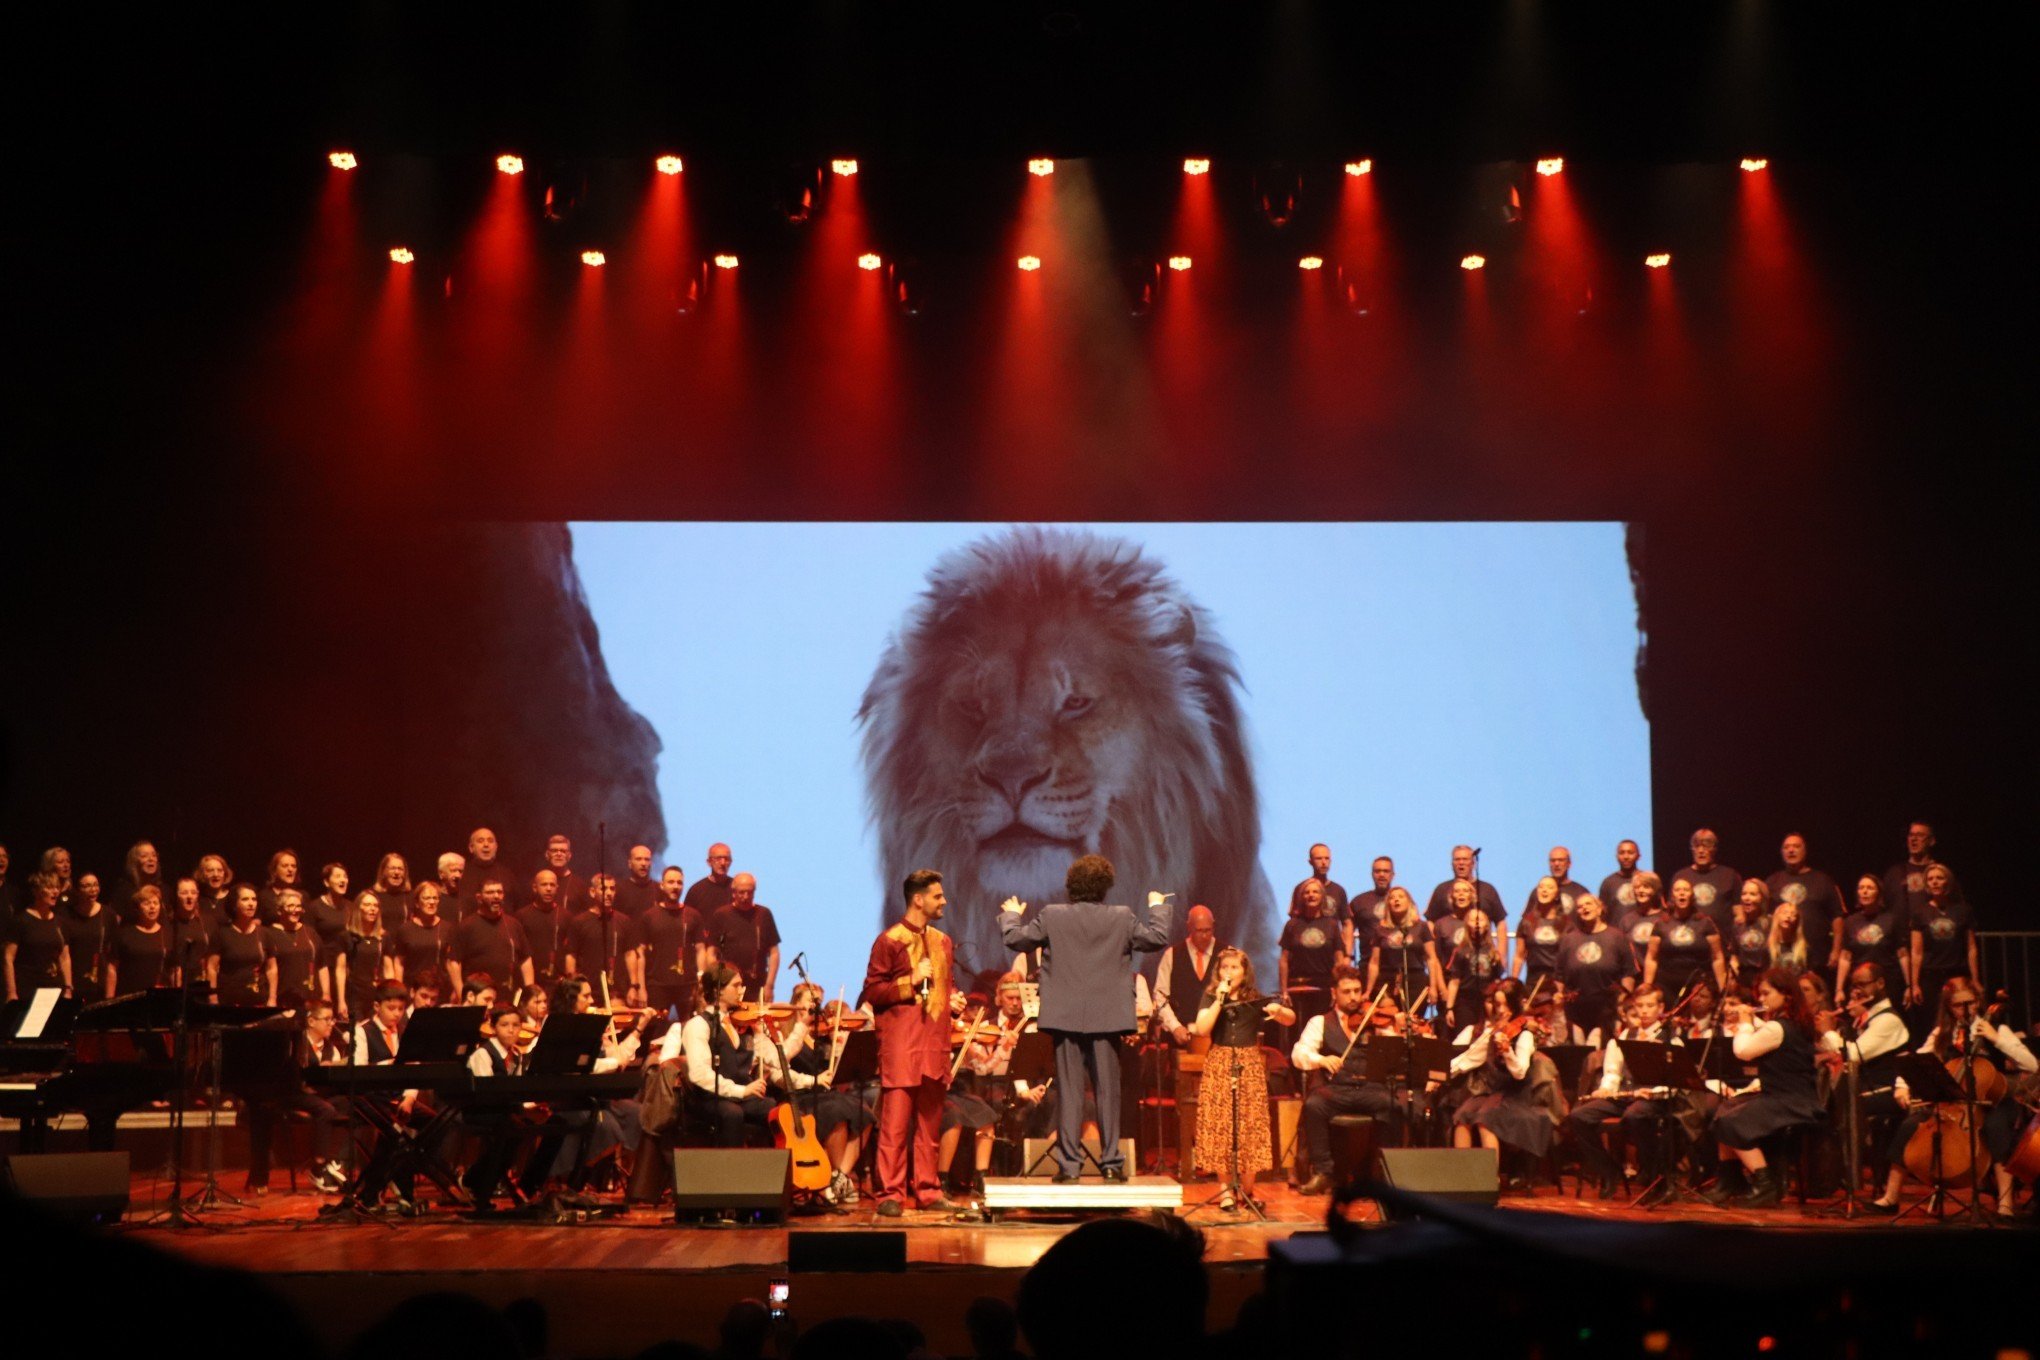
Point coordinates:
[[907, 987]]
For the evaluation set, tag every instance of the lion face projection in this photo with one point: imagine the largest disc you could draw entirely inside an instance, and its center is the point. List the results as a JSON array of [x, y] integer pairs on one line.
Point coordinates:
[[1054, 693]]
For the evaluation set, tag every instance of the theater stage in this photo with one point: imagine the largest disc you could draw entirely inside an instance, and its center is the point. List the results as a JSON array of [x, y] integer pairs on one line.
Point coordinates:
[[614, 1285]]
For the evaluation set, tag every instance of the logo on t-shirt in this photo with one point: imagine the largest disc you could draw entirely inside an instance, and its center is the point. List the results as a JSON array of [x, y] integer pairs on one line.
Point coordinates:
[[1640, 932], [1310, 937], [1703, 893], [1545, 934], [1588, 952], [1394, 940], [1626, 895], [1751, 938], [1942, 928], [1682, 936], [1870, 936], [1915, 881], [1795, 893]]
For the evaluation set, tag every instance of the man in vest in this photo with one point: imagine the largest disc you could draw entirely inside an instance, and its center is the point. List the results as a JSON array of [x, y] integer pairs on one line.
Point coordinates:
[[1185, 971], [1334, 1043]]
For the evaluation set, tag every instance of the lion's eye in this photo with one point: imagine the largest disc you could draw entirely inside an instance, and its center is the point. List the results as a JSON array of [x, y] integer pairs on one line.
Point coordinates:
[[1074, 705]]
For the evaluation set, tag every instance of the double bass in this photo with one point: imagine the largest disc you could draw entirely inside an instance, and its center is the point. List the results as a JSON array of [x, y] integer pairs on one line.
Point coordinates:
[[1951, 1124]]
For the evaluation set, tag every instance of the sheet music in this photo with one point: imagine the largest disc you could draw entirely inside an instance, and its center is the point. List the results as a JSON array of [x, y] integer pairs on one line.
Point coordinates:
[[39, 1012]]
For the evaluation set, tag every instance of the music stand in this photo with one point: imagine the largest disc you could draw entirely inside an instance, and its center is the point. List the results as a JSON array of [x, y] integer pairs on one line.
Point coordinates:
[[858, 1062], [443, 1034], [567, 1046], [1674, 1067]]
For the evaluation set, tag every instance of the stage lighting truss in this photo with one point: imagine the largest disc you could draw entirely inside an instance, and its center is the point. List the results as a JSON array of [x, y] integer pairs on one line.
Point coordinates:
[[1041, 166], [342, 160], [668, 165], [510, 165]]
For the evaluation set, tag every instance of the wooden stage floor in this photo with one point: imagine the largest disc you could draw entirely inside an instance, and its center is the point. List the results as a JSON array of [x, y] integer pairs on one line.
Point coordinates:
[[599, 1276]]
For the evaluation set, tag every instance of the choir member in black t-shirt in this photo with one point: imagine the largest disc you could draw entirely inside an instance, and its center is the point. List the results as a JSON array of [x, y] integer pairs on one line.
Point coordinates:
[[637, 892], [1475, 959], [452, 871], [283, 877], [216, 890], [87, 927], [192, 931], [1715, 885], [1312, 945], [668, 949], [141, 954], [1545, 919], [1943, 945], [327, 916], [491, 942], [596, 947], [239, 971], [544, 925], [1403, 954], [1685, 945], [1815, 894], [56, 861], [36, 954], [573, 889], [1617, 896], [1336, 902], [1749, 941], [1787, 944], [745, 936], [1905, 883], [711, 894], [1597, 968], [144, 869], [363, 962], [1569, 892], [392, 883], [1372, 905], [293, 951], [424, 939], [484, 857], [1464, 858], [10, 893], [1874, 932], [1640, 924]]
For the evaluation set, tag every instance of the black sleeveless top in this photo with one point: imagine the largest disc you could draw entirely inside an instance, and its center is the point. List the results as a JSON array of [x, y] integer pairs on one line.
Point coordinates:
[[1787, 1070], [141, 957], [1239, 1024], [736, 1062], [1334, 1044]]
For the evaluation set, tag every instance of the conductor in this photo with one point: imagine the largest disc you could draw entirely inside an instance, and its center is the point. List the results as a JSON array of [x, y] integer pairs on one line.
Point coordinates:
[[1087, 998]]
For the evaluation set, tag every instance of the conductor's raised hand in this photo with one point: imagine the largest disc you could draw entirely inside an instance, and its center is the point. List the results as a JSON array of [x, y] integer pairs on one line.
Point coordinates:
[[1012, 904], [1156, 899]]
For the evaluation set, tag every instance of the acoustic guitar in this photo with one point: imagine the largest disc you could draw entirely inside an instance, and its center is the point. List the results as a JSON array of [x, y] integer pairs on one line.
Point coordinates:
[[810, 1160]]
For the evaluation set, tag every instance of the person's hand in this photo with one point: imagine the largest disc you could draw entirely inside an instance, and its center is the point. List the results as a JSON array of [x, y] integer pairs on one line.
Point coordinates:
[[1985, 1030], [407, 1105], [1035, 1093], [1181, 1034], [634, 995], [1155, 899], [1912, 996], [1012, 904], [924, 970], [1330, 1063], [1431, 1085], [956, 1003], [1271, 1009]]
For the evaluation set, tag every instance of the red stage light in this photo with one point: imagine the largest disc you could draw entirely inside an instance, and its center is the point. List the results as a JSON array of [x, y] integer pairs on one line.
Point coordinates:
[[725, 262], [1360, 167], [1659, 260], [342, 160], [869, 261], [401, 255], [1196, 166], [1752, 164], [1550, 165], [1030, 263], [1041, 165], [1179, 263], [668, 165], [510, 165], [1472, 262], [594, 258], [844, 167], [1311, 262]]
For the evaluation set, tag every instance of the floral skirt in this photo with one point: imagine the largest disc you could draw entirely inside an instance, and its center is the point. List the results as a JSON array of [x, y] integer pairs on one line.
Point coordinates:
[[1234, 1077]]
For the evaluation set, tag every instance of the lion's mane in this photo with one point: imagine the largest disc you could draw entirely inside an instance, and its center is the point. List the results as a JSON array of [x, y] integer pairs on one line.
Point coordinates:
[[968, 711]]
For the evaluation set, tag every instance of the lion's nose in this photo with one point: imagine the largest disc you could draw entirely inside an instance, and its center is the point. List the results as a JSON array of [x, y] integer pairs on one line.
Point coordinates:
[[1014, 772]]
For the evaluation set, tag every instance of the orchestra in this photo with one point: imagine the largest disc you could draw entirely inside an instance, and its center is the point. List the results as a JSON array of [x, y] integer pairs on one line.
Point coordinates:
[[1553, 1053]]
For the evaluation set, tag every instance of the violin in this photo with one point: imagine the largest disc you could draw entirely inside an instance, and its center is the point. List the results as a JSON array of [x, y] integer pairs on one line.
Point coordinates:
[[527, 1035], [837, 1016], [746, 1015]]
